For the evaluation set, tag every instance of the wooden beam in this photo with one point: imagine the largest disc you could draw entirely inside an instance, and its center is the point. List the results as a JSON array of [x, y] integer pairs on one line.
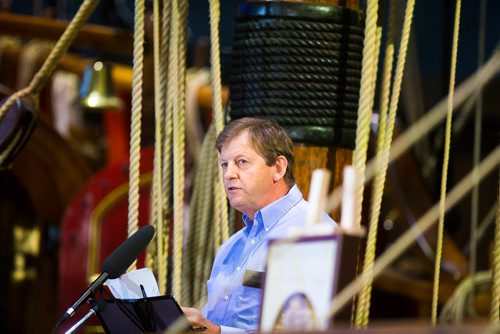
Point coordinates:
[[98, 37]]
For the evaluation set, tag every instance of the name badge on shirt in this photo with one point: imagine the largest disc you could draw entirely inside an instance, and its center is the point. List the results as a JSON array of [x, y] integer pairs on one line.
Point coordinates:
[[253, 279]]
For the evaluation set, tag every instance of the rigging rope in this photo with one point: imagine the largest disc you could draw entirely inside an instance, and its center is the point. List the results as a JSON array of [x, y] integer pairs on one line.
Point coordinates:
[[50, 64], [421, 226], [477, 149], [158, 211], [175, 105], [383, 148], [208, 214], [135, 126], [495, 287], [362, 311], [435, 115], [166, 144], [444, 175], [366, 95], [221, 208], [156, 195]]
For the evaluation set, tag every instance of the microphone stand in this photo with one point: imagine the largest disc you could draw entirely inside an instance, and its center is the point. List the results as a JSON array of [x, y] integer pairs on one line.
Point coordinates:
[[97, 307]]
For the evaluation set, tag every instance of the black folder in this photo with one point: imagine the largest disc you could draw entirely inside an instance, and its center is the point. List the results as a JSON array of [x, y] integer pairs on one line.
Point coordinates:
[[144, 315]]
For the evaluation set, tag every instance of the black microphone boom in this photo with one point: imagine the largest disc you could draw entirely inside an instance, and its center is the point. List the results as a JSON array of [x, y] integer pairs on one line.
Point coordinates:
[[117, 263]]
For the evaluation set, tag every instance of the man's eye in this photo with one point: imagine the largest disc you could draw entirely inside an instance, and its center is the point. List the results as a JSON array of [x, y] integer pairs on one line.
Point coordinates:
[[223, 164], [242, 161]]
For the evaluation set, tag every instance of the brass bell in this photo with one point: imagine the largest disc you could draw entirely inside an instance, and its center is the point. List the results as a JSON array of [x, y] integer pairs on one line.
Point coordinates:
[[97, 91]]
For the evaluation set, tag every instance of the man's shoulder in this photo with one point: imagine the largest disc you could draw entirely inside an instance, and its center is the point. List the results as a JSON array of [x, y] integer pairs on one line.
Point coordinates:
[[301, 209]]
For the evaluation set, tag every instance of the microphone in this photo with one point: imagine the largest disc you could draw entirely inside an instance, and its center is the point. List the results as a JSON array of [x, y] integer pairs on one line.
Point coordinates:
[[116, 263]]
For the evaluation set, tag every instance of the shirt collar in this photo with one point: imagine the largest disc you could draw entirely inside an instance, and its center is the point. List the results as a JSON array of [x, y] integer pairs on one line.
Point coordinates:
[[271, 213]]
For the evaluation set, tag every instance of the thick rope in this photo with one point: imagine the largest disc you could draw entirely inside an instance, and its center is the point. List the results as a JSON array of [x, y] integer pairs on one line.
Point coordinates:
[[135, 127], [176, 88], [168, 129], [200, 222], [157, 213], [207, 214], [495, 286], [362, 311], [221, 209], [50, 64], [179, 114], [363, 307], [444, 174], [366, 94], [208, 181], [172, 91], [420, 227], [385, 144]]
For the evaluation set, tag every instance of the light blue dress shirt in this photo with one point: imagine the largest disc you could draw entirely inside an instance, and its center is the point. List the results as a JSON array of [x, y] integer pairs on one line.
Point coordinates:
[[230, 304]]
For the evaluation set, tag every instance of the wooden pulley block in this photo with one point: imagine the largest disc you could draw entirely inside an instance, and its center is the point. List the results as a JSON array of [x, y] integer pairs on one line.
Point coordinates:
[[16, 127]]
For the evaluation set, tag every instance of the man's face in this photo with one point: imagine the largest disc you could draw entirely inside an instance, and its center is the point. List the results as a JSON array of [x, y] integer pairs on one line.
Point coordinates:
[[249, 183]]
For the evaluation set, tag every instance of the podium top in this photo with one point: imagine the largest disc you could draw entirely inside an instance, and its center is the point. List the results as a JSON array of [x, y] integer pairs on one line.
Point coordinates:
[[145, 315]]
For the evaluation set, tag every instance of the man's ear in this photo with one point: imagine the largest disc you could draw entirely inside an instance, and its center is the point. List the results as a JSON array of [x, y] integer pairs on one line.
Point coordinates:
[[281, 165]]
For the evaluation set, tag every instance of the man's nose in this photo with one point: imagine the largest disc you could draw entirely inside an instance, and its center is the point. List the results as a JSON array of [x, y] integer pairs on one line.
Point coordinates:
[[230, 172]]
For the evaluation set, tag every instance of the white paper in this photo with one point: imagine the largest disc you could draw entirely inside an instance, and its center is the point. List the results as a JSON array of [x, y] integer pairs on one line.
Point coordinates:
[[128, 286]]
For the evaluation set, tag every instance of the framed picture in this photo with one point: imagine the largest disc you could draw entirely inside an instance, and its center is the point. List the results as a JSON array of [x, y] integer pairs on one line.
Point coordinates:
[[302, 277]]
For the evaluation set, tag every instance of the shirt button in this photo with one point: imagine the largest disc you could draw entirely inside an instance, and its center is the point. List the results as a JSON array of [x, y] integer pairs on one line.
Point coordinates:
[[226, 297], [252, 241], [238, 268], [267, 229]]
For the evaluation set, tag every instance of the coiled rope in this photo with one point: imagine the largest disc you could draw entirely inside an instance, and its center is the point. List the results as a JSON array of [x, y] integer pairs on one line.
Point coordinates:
[[300, 67], [444, 174], [384, 141], [135, 126], [50, 64]]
